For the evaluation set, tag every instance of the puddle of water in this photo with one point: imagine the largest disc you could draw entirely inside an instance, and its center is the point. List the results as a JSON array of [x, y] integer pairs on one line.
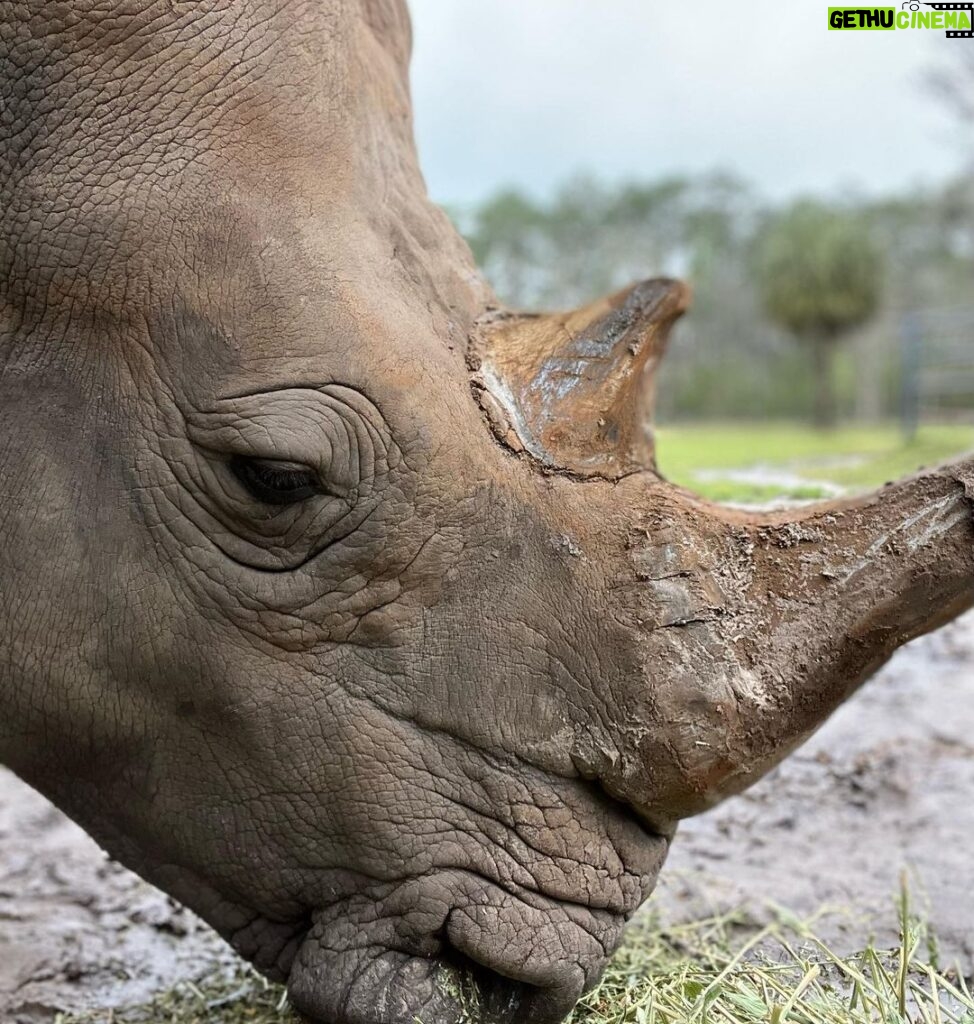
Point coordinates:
[[829, 462], [769, 476]]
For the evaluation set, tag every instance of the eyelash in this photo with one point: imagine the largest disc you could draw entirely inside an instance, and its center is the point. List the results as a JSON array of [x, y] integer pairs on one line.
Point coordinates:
[[275, 483]]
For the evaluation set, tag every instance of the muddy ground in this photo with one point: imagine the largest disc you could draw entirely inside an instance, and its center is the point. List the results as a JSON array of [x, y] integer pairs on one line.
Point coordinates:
[[887, 785]]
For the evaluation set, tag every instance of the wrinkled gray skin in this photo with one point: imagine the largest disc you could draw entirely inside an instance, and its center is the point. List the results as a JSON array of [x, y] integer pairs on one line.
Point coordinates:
[[371, 736], [347, 725]]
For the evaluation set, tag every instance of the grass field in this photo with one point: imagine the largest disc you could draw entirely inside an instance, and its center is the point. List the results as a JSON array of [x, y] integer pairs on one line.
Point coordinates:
[[758, 463], [717, 971]]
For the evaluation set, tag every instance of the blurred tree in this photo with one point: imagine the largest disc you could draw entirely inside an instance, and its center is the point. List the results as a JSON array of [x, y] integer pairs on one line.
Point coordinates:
[[504, 238], [729, 359], [819, 276]]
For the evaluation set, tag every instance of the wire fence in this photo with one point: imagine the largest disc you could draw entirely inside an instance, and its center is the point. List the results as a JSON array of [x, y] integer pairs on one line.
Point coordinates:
[[938, 367]]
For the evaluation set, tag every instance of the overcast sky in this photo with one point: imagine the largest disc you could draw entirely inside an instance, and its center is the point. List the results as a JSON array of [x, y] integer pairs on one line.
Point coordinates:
[[527, 92]]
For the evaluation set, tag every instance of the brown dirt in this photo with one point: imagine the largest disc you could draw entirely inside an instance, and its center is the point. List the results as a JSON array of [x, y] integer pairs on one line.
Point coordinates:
[[885, 786], [77, 930]]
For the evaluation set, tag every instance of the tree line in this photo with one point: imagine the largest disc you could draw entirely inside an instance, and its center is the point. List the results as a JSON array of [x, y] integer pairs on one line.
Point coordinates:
[[797, 307]]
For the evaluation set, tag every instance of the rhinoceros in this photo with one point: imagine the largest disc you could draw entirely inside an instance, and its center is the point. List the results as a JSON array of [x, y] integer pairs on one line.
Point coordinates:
[[339, 602]]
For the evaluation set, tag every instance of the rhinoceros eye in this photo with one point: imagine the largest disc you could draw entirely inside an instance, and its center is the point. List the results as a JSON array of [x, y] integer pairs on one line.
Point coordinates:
[[276, 483]]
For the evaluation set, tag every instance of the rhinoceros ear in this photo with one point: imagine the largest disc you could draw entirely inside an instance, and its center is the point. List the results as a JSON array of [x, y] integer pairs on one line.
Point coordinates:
[[575, 390]]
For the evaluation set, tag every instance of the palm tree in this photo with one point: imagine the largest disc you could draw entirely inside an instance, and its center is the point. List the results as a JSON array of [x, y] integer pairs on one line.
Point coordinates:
[[819, 276]]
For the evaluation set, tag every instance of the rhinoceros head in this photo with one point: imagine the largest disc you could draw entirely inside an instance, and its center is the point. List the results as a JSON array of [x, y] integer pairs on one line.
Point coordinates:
[[339, 602]]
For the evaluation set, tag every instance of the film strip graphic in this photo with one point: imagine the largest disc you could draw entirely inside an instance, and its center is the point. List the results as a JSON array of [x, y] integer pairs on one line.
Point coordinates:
[[953, 33]]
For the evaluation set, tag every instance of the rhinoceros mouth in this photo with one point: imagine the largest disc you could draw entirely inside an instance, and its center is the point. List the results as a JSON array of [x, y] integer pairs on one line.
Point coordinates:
[[448, 947], [507, 916], [469, 943]]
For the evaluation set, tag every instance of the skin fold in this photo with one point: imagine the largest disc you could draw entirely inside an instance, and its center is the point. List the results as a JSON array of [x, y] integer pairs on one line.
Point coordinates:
[[317, 609]]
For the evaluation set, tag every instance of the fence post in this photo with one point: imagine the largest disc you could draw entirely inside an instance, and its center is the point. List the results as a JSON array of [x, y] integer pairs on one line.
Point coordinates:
[[911, 337]]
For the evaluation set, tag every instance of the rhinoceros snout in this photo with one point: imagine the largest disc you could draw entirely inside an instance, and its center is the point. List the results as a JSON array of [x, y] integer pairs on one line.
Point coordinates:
[[391, 987], [447, 948]]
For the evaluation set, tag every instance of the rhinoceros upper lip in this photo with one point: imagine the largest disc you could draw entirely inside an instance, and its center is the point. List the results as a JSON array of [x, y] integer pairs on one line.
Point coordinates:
[[594, 781]]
